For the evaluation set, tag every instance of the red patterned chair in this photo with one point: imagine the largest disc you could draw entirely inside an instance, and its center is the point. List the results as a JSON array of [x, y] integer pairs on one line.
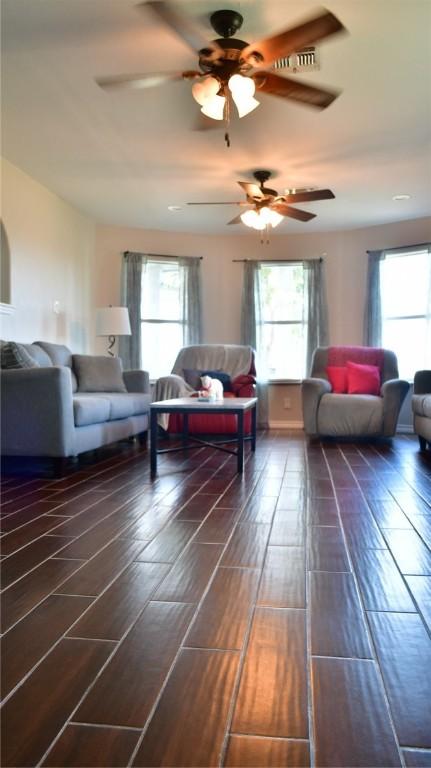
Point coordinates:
[[235, 360]]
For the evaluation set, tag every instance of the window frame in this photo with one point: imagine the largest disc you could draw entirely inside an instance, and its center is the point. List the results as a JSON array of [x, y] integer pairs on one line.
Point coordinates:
[[403, 253], [301, 323], [156, 321]]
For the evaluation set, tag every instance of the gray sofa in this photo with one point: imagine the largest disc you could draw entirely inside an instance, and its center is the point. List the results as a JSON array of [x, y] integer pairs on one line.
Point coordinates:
[[45, 413], [352, 415], [421, 405]]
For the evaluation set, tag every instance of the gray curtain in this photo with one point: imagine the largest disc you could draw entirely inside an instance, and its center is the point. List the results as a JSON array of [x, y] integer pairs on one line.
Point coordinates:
[[131, 288], [192, 310], [316, 306], [251, 327], [373, 303]]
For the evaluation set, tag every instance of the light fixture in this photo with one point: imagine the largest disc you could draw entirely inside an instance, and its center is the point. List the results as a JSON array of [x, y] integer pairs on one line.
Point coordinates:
[[205, 93], [242, 89], [174, 208], [261, 219], [112, 322], [214, 108], [401, 197]]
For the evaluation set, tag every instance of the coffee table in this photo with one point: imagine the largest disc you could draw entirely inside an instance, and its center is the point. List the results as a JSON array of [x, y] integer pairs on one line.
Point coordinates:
[[236, 406]]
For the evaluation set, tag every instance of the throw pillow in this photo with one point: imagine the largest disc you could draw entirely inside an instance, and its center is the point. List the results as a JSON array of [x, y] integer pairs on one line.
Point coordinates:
[[337, 376], [13, 355], [363, 379], [242, 380], [98, 373], [192, 377]]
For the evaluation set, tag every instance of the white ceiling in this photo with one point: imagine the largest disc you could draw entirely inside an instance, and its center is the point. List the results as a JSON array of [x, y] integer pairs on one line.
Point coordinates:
[[124, 157]]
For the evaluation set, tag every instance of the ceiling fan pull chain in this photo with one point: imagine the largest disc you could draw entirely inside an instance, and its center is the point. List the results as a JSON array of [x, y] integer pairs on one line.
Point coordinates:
[[227, 118]]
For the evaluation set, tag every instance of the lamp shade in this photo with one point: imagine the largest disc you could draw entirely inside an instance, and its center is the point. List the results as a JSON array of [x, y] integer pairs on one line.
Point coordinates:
[[113, 321]]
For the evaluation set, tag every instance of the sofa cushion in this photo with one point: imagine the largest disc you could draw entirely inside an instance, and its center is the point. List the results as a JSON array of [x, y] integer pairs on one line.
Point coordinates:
[[59, 355], [39, 355], [130, 404], [421, 405], [355, 415], [90, 409], [99, 373], [13, 355]]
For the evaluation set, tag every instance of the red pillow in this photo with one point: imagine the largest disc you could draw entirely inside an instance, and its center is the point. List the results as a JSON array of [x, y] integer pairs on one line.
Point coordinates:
[[241, 381], [363, 379], [337, 375]]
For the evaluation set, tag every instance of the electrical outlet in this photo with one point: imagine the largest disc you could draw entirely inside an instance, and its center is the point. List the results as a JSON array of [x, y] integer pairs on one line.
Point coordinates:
[[287, 403]]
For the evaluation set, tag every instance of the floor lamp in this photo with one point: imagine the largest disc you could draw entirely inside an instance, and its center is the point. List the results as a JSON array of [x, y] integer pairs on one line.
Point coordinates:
[[112, 322]]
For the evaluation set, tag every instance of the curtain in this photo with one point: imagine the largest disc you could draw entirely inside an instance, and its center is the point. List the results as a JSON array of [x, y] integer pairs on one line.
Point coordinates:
[[373, 303], [251, 328], [191, 300], [131, 288], [316, 306]]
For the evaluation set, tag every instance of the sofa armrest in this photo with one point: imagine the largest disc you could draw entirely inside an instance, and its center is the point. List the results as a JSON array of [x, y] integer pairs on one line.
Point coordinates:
[[422, 383], [137, 381], [248, 390], [37, 412], [393, 392], [312, 391]]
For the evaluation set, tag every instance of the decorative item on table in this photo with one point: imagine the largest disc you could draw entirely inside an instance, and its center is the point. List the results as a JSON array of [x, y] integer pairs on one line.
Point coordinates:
[[212, 389]]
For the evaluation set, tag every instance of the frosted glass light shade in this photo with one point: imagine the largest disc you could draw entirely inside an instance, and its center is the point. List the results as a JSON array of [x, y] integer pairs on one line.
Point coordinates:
[[205, 90], [113, 321], [270, 217], [242, 89], [214, 108], [252, 219]]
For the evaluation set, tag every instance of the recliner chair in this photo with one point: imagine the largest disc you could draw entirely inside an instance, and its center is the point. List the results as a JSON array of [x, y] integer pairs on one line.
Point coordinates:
[[349, 415]]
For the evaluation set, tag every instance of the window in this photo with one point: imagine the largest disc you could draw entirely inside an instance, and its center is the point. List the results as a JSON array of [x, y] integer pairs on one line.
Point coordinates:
[[405, 289], [283, 337], [162, 315]]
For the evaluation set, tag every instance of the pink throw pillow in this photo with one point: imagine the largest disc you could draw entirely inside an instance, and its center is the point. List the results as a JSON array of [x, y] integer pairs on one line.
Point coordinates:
[[337, 375], [363, 379]]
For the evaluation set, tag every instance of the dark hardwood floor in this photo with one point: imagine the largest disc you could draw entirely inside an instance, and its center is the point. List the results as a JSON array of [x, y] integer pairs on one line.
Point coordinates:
[[204, 619]]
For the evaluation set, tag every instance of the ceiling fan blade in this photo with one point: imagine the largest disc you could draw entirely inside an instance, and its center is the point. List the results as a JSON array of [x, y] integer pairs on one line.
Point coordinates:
[[289, 88], [305, 197], [292, 213], [143, 80], [264, 52], [236, 220], [188, 29], [252, 190], [223, 203]]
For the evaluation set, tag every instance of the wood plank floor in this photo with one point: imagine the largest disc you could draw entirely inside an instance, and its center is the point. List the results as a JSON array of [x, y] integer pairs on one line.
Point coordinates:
[[282, 618]]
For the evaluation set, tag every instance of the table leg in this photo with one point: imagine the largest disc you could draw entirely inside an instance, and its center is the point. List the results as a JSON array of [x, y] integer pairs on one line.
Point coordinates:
[[185, 430], [253, 427], [241, 442], [153, 445]]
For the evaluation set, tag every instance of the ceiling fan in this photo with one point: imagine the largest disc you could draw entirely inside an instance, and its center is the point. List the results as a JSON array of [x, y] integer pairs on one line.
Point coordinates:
[[266, 208], [232, 68]]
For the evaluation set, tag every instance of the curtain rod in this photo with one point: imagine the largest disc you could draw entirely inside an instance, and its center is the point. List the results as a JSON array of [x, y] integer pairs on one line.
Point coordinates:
[[272, 261], [163, 256], [402, 247]]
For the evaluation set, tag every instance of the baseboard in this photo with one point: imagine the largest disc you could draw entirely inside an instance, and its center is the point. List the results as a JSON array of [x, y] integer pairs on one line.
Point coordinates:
[[405, 429], [286, 424]]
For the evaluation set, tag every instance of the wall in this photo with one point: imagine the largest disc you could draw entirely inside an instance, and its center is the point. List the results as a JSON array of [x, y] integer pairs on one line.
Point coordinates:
[[52, 250], [346, 265]]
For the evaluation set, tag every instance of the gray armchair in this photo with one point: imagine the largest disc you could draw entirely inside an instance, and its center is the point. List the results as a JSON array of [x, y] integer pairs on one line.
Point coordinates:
[[348, 415], [421, 405]]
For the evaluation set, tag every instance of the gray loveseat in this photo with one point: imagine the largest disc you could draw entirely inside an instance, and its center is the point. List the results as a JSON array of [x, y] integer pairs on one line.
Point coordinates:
[[327, 414], [421, 405], [46, 412]]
